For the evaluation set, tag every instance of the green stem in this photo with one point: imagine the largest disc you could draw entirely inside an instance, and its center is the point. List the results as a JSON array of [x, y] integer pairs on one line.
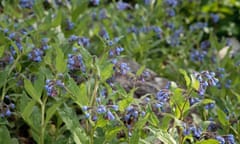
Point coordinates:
[[187, 98], [94, 94], [9, 72], [43, 123]]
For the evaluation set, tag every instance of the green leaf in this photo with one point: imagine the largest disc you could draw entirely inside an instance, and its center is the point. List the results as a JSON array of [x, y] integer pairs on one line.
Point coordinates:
[[51, 111], [60, 62], [209, 141], [110, 134], [31, 90], [3, 77], [71, 121], [57, 20], [101, 122], [106, 71], [134, 139], [2, 48], [178, 97], [164, 136], [165, 122], [123, 104], [79, 93], [140, 70], [4, 135], [186, 77], [141, 122], [195, 83], [222, 117], [39, 84], [80, 7], [86, 56], [153, 119], [28, 110]]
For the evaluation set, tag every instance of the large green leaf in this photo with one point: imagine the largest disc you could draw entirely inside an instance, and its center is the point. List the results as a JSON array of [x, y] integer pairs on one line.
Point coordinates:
[[60, 62], [71, 121], [209, 141], [4, 135], [222, 117], [163, 136], [31, 90], [3, 77], [134, 139], [106, 71], [79, 93], [186, 77], [124, 103], [51, 111], [57, 20]]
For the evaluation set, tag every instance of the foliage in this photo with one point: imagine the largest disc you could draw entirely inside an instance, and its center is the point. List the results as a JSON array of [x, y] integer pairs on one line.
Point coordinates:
[[60, 61]]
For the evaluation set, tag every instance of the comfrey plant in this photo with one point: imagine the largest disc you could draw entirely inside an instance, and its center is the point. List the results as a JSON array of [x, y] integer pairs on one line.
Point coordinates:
[[77, 72]]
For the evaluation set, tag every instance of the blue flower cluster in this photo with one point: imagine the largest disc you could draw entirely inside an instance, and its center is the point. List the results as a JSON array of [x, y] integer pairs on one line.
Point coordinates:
[[36, 55], [122, 5], [69, 25], [227, 139], [95, 2], [51, 87], [198, 55], [75, 63], [198, 26], [116, 52], [26, 3], [174, 39], [205, 79], [105, 111], [195, 131], [146, 29], [171, 3], [82, 41], [162, 98], [6, 107]]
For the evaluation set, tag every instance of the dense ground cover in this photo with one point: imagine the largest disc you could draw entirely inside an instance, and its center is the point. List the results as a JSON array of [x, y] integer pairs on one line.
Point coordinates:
[[61, 62]]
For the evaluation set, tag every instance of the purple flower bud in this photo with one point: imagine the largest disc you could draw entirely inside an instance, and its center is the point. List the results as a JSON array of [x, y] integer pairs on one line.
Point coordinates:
[[220, 139], [110, 116], [122, 5], [8, 113]]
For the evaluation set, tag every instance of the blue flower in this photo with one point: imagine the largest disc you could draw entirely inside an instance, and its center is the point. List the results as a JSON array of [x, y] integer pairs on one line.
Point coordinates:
[[220, 139], [170, 12], [75, 62], [124, 68], [84, 108], [26, 3], [69, 25], [204, 45], [115, 107], [73, 38], [214, 17], [197, 55], [36, 55], [110, 116], [95, 2], [122, 5], [102, 14], [198, 26], [209, 106], [163, 95], [104, 34], [83, 41], [147, 2], [230, 139], [101, 109], [172, 3]]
